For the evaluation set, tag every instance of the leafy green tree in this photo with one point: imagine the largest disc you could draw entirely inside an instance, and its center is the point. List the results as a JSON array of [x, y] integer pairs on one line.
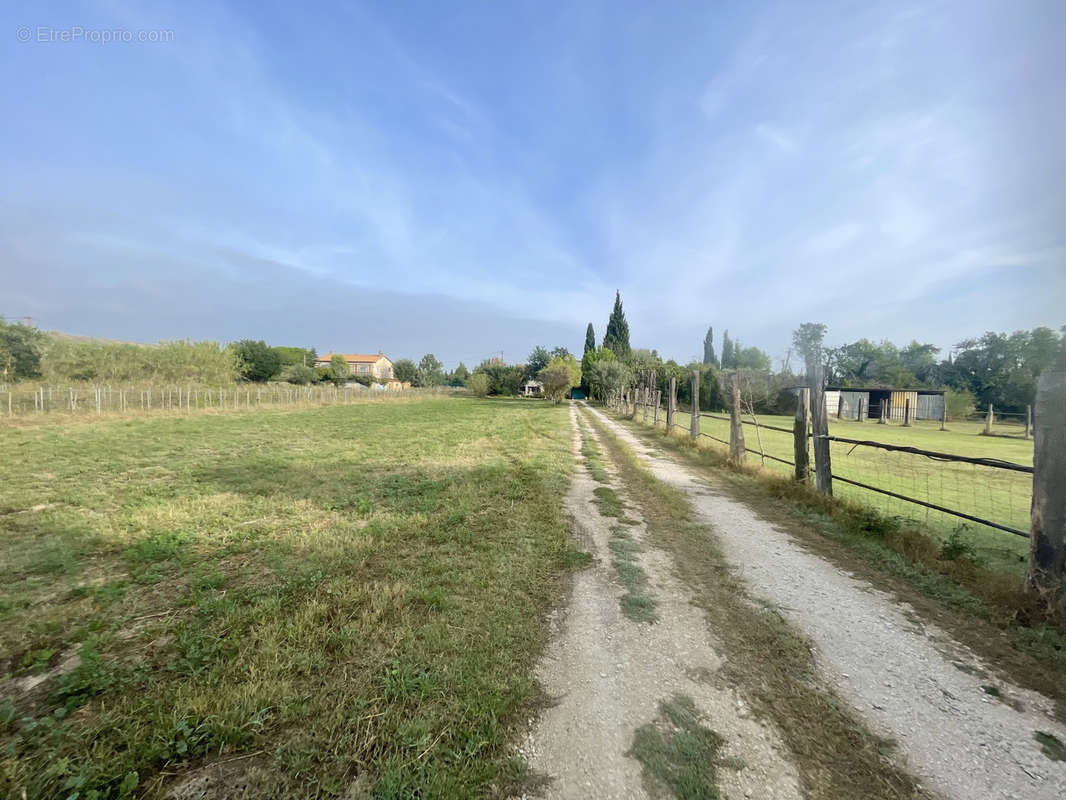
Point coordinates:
[[960, 403], [504, 379], [258, 362], [537, 361], [751, 358], [708, 348], [430, 371], [608, 375], [338, 370], [296, 355], [616, 337], [590, 358], [459, 376], [20, 351], [405, 370], [561, 374]]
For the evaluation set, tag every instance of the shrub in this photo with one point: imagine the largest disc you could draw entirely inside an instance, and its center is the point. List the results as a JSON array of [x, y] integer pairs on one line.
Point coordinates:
[[300, 374], [258, 362], [555, 382], [478, 384], [960, 403]]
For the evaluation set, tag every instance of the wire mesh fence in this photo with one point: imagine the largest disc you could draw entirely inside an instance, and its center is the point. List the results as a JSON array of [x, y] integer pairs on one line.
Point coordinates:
[[26, 400], [986, 501]]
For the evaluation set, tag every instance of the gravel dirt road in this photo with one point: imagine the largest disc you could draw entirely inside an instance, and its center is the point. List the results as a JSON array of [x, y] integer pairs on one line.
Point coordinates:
[[608, 674], [907, 680]]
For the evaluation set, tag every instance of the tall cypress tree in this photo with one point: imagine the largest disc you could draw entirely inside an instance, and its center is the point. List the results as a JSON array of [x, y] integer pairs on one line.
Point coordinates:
[[727, 351], [616, 337], [708, 348], [590, 338]]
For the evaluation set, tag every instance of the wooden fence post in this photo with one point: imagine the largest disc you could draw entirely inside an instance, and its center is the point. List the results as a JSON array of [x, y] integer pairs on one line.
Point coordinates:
[[694, 425], [988, 421], [799, 435], [858, 417], [736, 430], [1047, 554], [671, 404], [636, 402], [646, 395], [823, 473], [1028, 421], [944, 415], [883, 408], [840, 405], [907, 413], [658, 401]]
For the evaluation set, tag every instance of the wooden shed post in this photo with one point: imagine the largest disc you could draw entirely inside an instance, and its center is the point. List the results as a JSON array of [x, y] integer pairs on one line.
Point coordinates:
[[858, 416], [883, 408], [840, 405], [1047, 554], [671, 404], [694, 425], [736, 430], [907, 413], [800, 435], [823, 472]]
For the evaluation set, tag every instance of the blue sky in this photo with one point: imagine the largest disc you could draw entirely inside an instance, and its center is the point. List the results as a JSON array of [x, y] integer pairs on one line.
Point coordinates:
[[469, 178]]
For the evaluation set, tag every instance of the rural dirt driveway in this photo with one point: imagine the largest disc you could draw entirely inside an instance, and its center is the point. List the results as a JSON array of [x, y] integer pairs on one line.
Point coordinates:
[[609, 674], [907, 680]]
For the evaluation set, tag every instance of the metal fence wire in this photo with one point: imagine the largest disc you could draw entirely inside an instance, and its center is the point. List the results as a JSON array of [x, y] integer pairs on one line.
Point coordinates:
[[940, 490]]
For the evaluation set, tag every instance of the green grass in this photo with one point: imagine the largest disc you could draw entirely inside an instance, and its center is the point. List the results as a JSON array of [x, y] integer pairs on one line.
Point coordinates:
[[677, 752], [1051, 746], [342, 595], [998, 495], [593, 462], [636, 603]]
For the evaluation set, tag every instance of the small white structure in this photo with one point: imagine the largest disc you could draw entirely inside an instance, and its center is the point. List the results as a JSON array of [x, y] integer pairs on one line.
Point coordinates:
[[531, 388]]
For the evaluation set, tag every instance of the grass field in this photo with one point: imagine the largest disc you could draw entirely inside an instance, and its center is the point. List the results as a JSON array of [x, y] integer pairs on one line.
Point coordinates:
[[998, 495], [298, 603]]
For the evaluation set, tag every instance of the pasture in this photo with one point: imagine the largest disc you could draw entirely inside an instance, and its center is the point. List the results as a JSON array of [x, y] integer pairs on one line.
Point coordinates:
[[317, 603], [998, 495]]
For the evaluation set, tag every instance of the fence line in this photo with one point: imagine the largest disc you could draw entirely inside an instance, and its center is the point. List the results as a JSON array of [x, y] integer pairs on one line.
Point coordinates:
[[41, 400], [640, 398]]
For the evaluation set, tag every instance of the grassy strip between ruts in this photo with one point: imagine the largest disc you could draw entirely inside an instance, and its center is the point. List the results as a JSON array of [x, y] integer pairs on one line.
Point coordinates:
[[678, 753], [837, 757], [636, 603], [324, 602], [986, 610]]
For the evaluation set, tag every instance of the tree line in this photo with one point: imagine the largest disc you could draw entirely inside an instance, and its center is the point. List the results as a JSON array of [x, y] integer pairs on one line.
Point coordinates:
[[997, 368]]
